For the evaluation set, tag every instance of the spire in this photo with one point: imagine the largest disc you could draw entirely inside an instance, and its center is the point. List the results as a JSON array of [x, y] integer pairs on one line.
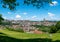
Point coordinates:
[[44, 19]]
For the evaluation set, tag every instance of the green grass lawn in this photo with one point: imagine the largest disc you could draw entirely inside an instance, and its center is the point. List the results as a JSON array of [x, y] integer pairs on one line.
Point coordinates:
[[12, 36]]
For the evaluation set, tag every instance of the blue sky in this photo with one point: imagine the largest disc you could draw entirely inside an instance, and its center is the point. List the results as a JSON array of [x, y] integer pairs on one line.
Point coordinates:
[[23, 12]]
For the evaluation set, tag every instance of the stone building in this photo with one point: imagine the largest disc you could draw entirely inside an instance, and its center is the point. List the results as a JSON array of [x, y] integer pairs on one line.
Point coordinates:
[[48, 23], [26, 24]]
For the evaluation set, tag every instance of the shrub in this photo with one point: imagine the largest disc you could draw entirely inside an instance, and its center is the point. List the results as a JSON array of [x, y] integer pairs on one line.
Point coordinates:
[[53, 29], [12, 29], [58, 31]]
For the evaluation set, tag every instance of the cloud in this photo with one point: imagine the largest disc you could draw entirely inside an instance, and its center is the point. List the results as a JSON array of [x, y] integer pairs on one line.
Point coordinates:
[[34, 17], [54, 3], [9, 12], [4, 17], [18, 16], [24, 13], [51, 14]]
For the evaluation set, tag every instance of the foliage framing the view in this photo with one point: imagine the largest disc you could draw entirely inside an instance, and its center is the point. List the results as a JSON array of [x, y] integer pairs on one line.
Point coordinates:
[[1, 18], [11, 4], [37, 3]]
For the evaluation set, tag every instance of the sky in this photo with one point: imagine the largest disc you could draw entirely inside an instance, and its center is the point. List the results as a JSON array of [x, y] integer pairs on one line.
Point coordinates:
[[24, 12]]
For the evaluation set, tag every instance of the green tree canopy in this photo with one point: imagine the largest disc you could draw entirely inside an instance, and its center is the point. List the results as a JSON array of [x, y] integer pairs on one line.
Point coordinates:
[[37, 3], [11, 4], [58, 25], [55, 28], [1, 18]]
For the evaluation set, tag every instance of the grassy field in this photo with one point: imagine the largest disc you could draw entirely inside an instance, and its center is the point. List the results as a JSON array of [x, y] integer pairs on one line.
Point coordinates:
[[12, 36]]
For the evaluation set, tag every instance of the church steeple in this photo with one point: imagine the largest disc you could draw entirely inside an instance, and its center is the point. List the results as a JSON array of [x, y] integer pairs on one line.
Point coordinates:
[[44, 19]]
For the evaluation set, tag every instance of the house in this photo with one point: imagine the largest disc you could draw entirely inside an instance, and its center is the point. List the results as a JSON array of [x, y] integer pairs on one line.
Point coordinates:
[[48, 23], [26, 24]]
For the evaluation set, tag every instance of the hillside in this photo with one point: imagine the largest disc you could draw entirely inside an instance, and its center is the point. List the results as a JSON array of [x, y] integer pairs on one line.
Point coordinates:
[[12, 36]]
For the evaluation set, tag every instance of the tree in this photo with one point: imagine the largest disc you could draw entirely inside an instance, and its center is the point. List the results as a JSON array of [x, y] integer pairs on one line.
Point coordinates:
[[53, 29], [37, 3], [11, 4], [1, 19], [58, 25]]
